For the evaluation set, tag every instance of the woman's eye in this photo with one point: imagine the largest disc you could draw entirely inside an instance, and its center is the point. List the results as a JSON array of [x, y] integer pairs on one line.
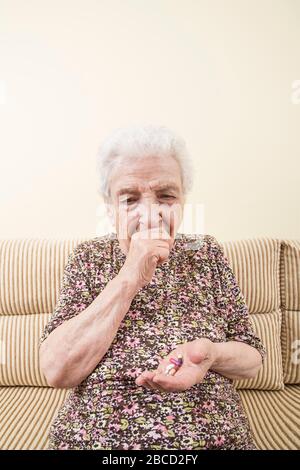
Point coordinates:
[[130, 200], [168, 196]]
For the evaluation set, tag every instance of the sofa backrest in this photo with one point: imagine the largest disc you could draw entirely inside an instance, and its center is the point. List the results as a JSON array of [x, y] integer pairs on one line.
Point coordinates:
[[256, 265], [290, 304], [31, 273]]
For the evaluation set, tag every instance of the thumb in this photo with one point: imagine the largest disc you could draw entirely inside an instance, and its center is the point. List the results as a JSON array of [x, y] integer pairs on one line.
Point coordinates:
[[198, 356]]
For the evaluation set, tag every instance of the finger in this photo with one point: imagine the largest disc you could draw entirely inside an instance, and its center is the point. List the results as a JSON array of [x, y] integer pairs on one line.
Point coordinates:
[[161, 366], [132, 225], [160, 227], [149, 374], [158, 387], [169, 383], [175, 218], [149, 384], [140, 379], [159, 233], [145, 380], [142, 382], [168, 221], [148, 379], [144, 376], [163, 228]]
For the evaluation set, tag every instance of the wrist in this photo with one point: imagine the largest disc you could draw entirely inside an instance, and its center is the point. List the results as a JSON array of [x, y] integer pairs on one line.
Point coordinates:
[[129, 281], [218, 355], [209, 350]]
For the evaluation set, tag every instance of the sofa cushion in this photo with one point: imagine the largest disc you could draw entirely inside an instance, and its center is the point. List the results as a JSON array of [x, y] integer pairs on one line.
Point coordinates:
[[270, 377], [255, 263], [274, 417], [291, 346], [19, 336], [290, 301], [26, 414]]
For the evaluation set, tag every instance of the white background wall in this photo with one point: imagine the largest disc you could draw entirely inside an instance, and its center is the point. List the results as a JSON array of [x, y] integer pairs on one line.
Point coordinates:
[[219, 72]]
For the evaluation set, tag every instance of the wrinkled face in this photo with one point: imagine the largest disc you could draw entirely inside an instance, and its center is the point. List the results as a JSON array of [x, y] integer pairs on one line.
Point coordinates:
[[145, 193]]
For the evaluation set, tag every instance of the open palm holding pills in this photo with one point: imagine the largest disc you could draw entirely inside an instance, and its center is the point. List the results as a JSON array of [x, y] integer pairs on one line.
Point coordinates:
[[174, 365], [184, 367]]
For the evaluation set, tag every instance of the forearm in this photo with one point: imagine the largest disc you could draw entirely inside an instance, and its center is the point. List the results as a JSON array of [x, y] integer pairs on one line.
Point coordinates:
[[236, 360], [73, 350]]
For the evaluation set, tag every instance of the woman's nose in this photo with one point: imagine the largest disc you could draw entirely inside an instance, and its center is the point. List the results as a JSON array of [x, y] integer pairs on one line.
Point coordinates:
[[150, 216]]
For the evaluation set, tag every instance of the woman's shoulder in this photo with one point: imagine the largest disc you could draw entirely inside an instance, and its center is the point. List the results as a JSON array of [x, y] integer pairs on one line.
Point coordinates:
[[198, 241], [93, 247]]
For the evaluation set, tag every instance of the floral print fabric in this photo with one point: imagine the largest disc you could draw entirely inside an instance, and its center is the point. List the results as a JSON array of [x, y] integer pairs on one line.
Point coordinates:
[[193, 294]]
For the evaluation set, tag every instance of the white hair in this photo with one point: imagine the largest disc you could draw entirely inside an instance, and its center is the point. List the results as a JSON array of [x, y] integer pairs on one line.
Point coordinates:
[[142, 142]]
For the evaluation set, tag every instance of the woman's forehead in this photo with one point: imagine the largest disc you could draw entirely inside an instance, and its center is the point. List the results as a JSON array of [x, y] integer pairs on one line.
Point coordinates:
[[152, 171], [161, 184]]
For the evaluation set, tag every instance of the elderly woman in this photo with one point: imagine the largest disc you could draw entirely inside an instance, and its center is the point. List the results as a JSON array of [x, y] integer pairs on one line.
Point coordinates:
[[151, 327]]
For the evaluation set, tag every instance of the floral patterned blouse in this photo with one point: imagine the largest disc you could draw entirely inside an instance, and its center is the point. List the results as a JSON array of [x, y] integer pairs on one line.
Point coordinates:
[[193, 294]]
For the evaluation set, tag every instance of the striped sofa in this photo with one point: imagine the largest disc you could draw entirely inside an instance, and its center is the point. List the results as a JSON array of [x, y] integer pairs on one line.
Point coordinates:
[[31, 270]]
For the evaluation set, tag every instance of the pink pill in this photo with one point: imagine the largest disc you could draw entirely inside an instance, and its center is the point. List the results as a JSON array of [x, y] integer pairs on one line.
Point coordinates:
[[174, 361]]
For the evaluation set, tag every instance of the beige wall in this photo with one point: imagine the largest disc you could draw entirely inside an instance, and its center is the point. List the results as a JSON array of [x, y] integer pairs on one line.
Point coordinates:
[[219, 72]]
